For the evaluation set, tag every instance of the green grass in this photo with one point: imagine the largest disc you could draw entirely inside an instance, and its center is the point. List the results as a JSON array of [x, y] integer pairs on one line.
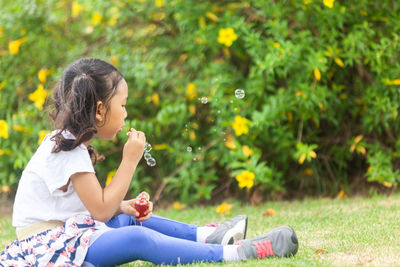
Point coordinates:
[[351, 232]]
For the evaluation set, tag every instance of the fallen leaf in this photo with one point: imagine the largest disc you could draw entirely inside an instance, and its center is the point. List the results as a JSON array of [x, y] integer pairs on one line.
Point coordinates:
[[321, 251], [269, 212]]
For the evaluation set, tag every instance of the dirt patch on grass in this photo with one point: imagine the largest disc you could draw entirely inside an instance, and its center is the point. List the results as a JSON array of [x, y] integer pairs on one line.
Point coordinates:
[[366, 257]]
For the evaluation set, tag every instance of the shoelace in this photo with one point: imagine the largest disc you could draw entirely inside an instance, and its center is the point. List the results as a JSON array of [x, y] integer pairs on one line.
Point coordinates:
[[264, 248]]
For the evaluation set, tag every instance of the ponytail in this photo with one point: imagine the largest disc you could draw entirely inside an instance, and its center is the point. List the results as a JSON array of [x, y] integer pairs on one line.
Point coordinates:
[[81, 109]]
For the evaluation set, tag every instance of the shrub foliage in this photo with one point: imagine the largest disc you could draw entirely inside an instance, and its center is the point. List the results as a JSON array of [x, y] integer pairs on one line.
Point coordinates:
[[320, 80]]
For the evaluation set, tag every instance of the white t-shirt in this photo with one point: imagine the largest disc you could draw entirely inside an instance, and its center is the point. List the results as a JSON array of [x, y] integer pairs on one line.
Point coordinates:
[[38, 197]]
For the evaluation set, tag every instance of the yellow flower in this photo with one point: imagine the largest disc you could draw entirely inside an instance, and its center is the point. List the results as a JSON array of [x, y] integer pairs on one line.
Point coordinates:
[[159, 3], [192, 135], [155, 98], [39, 96], [192, 109], [110, 176], [178, 206], [224, 208], [312, 154], [1, 152], [302, 158], [361, 150], [42, 135], [42, 75], [301, 93], [202, 22], [114, 60], [191, 91], [276, 45], [317, 74], [96, 18], [162, 147], [358, 138], [387, 184], [393, 82], [339, 62], [114, 16], [3, 129], [76, 9], [356, 146], [211, 16], [240, 125], [230, 142], [19, 128], [245, 179], [112, 21], [247, 151], [226, 36], [329, 3], [13, 46]]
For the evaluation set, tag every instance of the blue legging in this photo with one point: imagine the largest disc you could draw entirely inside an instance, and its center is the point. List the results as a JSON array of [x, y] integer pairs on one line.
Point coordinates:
[[159, 240]]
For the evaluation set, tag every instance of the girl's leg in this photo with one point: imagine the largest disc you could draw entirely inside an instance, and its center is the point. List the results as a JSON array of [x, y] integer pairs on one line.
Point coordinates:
[[162, 225], [126, 244]]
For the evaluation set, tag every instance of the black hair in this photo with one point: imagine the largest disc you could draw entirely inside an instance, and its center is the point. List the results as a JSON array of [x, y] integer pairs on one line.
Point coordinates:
[[83, 83]]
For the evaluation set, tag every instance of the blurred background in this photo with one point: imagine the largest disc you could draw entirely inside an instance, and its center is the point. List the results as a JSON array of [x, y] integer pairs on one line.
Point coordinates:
[[252, 100]]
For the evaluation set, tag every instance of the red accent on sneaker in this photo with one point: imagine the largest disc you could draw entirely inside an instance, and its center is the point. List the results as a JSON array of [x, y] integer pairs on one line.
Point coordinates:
[[264, 249], [211, 225]]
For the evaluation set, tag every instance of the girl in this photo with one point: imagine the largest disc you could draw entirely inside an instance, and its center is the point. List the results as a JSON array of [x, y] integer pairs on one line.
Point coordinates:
[[62, 215]]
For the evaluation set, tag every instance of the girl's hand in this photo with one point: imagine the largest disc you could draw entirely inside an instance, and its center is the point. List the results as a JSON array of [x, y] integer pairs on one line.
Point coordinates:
[[128, 207], [134, 146]]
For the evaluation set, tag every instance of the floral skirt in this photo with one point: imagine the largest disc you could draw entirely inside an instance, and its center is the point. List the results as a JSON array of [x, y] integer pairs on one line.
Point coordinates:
[[66, 245]]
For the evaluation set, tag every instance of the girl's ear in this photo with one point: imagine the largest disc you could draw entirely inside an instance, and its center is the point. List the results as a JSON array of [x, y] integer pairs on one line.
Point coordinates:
[[99, 111]]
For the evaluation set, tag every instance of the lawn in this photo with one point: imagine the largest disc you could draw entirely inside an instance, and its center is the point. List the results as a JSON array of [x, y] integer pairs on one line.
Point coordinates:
[[331, 232]]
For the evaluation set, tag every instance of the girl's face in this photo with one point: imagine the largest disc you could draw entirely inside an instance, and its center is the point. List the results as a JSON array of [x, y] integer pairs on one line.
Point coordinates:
[[114, 121]]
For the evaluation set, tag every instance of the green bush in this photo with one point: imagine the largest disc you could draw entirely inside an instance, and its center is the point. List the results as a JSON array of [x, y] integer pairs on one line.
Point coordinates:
[[321, 83]]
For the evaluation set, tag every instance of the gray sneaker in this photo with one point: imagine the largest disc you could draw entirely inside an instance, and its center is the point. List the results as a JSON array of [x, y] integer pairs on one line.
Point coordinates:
[[229, 232], [280, 242]]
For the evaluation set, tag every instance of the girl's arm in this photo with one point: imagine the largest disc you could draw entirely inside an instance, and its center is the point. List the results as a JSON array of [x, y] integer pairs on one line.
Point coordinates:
[[103, 204]]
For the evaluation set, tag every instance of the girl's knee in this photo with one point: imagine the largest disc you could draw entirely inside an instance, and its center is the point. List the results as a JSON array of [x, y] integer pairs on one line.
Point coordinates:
[[138, 235]]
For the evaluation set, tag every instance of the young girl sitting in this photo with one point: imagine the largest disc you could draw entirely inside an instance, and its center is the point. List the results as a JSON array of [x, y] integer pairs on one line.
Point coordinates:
[[63, 217]]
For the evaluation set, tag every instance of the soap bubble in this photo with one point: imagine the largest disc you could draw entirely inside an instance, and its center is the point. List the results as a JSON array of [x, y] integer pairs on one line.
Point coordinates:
[[239, 93], [147, 156], [147, 147], [151, 162], [189, 149]]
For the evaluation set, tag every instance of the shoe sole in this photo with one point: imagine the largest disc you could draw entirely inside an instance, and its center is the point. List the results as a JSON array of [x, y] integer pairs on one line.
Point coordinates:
[[238, 232]]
